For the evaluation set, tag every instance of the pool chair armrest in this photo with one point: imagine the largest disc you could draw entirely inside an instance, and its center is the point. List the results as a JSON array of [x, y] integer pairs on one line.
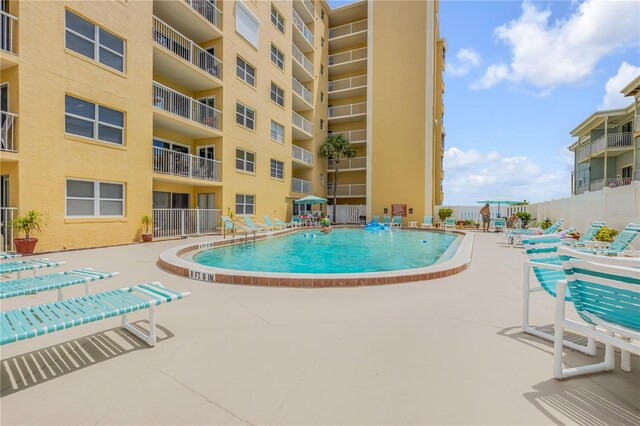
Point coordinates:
[[531, 264]]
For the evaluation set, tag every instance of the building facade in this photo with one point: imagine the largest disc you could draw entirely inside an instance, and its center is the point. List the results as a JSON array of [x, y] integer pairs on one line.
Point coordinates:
[[186, 110]]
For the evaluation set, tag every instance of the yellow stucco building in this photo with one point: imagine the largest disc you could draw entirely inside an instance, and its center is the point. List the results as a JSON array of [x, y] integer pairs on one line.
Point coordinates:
[[185, 110]]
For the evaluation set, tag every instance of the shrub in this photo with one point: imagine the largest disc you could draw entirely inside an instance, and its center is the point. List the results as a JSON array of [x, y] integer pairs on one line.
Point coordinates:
[[469, 223], [524, 217], [444, 213], [546, 223], [31, 222], [606, 234]]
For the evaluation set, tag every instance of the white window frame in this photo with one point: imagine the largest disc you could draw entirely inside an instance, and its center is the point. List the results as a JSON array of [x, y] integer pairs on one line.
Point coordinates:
[[171, 144], [244, 204], [278, 18], [208, 98], [245, 161], [278, 93], [213, 147], [96, 199], [96, 121], [275, 59], [243, 71], [244, 116], [276, 132], [96, 42], [274, 168]]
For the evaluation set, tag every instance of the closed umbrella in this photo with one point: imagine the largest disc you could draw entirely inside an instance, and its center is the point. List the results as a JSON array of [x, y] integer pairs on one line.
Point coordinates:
[[500, 200]]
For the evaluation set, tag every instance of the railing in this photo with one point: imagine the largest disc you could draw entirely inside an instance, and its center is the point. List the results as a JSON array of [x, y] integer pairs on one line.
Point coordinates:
[[309, 6], [6, 31], [347, 110], [302, 91], [208, 10], [619, 140], [347, 29], [6, 232], [354, 136], [348, 190], [302, 123], [301, 154], [348, 163], [302, 60], [186, 165], [351, 55], [615, 182], [169, 223], [301, 186], [169, 38], [614, 140], [176, 103], [7, 139], [302, 27], [347, 83]]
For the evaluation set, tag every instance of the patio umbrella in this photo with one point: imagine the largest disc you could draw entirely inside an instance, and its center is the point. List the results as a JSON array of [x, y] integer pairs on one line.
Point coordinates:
[[310, 199], [500, 200]]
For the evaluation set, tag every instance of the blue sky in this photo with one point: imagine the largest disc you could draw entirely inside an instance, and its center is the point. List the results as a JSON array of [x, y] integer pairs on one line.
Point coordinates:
[[520, 76]]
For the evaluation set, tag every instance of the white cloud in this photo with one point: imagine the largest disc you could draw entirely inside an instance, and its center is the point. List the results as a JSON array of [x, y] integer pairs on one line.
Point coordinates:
[[466, 59], [612, 97], [545, 54]]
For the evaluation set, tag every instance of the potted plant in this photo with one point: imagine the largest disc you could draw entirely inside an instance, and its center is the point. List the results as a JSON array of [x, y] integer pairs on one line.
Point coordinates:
[[32, 221], [147, 221]]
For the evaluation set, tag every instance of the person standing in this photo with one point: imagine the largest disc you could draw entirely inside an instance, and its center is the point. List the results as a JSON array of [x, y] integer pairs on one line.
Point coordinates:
[[485, 213]]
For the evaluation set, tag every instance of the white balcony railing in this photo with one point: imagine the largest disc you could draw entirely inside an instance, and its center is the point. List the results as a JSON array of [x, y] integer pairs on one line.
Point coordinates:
[[169, 38], [614, 141], [6, 232], [208, 10], [619, 140], [186, 165], [351, 55], [6, 31], [7, 134], [301, 186], [348, 190], [348, 110], [301, 154], [309, 6], [302, 60], [343, 30], [347, 83], [176, 103], [302, 91], [348, 163], [302, 27], [168, 223], [354, 136], [302, 123]]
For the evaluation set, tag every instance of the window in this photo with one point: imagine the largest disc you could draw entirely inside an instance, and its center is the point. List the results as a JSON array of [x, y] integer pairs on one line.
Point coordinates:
[[173, 146], [277, 19], [93, 41], [170, 200], [277, 132], [277, 169], [321, 96], [245, 204], [245, 71], [85, 198], [626, 127], [321, 69], [93, 121], [209, 101], [321, 124], [277, 57], [206, 200], [247, 24], [245, 161], [245, 116], [277, 94]]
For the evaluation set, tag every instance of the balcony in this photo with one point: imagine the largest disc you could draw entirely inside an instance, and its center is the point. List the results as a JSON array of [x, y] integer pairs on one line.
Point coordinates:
[[302, 128], [7, 42], [199, 20], [173, 163], [183, 61], [303, 37], [348, 164], [301, 155], [305, 10], [300, 186], [348, 113], [356, 137], [302, 67], [352, 34], [348, 87], [303, 99], [352, 190], [599, 184], [615, 143], [7, 133], [349, 61], [177, 112], [171, 223]]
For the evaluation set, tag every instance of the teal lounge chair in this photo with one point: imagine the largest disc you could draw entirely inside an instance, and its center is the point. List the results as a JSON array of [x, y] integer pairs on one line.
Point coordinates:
[[283, 224], [499, 224], [427, 222], [55, 281], [450, 223], [396, 222], [26, 323], [295, 220], [7, 255], [589, 235], [269, 224], [254, 226], [520, 234], [34, 265], [386, 220], [620, 243]]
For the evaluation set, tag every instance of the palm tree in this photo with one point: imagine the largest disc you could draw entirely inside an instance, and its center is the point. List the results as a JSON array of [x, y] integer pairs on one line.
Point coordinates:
[[335, 148]]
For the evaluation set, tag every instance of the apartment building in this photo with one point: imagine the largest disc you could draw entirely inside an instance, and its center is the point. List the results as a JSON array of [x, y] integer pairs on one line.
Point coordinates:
[[186, 110]]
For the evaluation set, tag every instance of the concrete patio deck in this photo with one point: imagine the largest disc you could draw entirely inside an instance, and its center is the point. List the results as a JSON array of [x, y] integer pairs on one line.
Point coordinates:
[[447, 351]]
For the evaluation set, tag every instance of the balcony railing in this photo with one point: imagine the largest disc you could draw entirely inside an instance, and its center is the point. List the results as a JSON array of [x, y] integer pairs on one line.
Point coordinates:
[[348, 163], [302, 60], [301, 186], [176, 103], [6, 31], [347, 29], [7, 139], [302, 123], [168, 223], [302, 154], [309, 6], [614, 141], [208, 10], [302, 27], [354, 136], [348, 190], [302, 91], [186, 165], [169, 38], [347, 110], [6, 232], [347, 83], [351, 55]]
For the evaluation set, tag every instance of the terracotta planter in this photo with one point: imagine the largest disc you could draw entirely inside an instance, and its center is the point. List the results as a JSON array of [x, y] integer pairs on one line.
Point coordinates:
[[147, 237], [24, 246]]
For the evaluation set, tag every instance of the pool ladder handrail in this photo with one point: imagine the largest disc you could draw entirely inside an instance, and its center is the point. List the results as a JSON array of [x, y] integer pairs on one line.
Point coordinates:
[[236, 223]]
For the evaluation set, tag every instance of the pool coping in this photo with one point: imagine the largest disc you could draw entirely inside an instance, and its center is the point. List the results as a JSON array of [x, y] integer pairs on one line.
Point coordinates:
[[172, 261]]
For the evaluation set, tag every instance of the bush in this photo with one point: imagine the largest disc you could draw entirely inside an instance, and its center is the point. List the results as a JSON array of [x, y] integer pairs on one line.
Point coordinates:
[[546, 223], [31, 222], [524, 217], [469, 223], [444, 213], [606, 234]]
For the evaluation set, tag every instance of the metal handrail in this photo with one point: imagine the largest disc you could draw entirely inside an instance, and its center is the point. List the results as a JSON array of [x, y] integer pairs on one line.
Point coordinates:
[[236, 223]]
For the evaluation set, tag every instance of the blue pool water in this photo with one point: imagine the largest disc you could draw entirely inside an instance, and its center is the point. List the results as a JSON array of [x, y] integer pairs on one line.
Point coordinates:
[[342, 251]]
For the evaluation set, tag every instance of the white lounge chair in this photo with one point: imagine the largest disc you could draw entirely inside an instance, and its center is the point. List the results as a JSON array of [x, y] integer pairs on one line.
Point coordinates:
[[20, 266], [427, 222]]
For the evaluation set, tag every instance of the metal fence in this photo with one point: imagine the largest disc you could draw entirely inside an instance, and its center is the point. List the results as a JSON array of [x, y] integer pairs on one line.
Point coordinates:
[[6, 31], [7, 137], [208, 10], [181, 164], [169, 223], [176, 103]]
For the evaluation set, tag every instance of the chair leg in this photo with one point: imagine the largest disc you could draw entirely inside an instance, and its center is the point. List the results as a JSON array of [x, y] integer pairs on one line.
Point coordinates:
[[625, 359], [151, 338]]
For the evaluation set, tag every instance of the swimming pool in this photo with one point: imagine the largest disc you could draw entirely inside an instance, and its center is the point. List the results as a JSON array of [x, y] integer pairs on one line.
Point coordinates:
[[342, 251]]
